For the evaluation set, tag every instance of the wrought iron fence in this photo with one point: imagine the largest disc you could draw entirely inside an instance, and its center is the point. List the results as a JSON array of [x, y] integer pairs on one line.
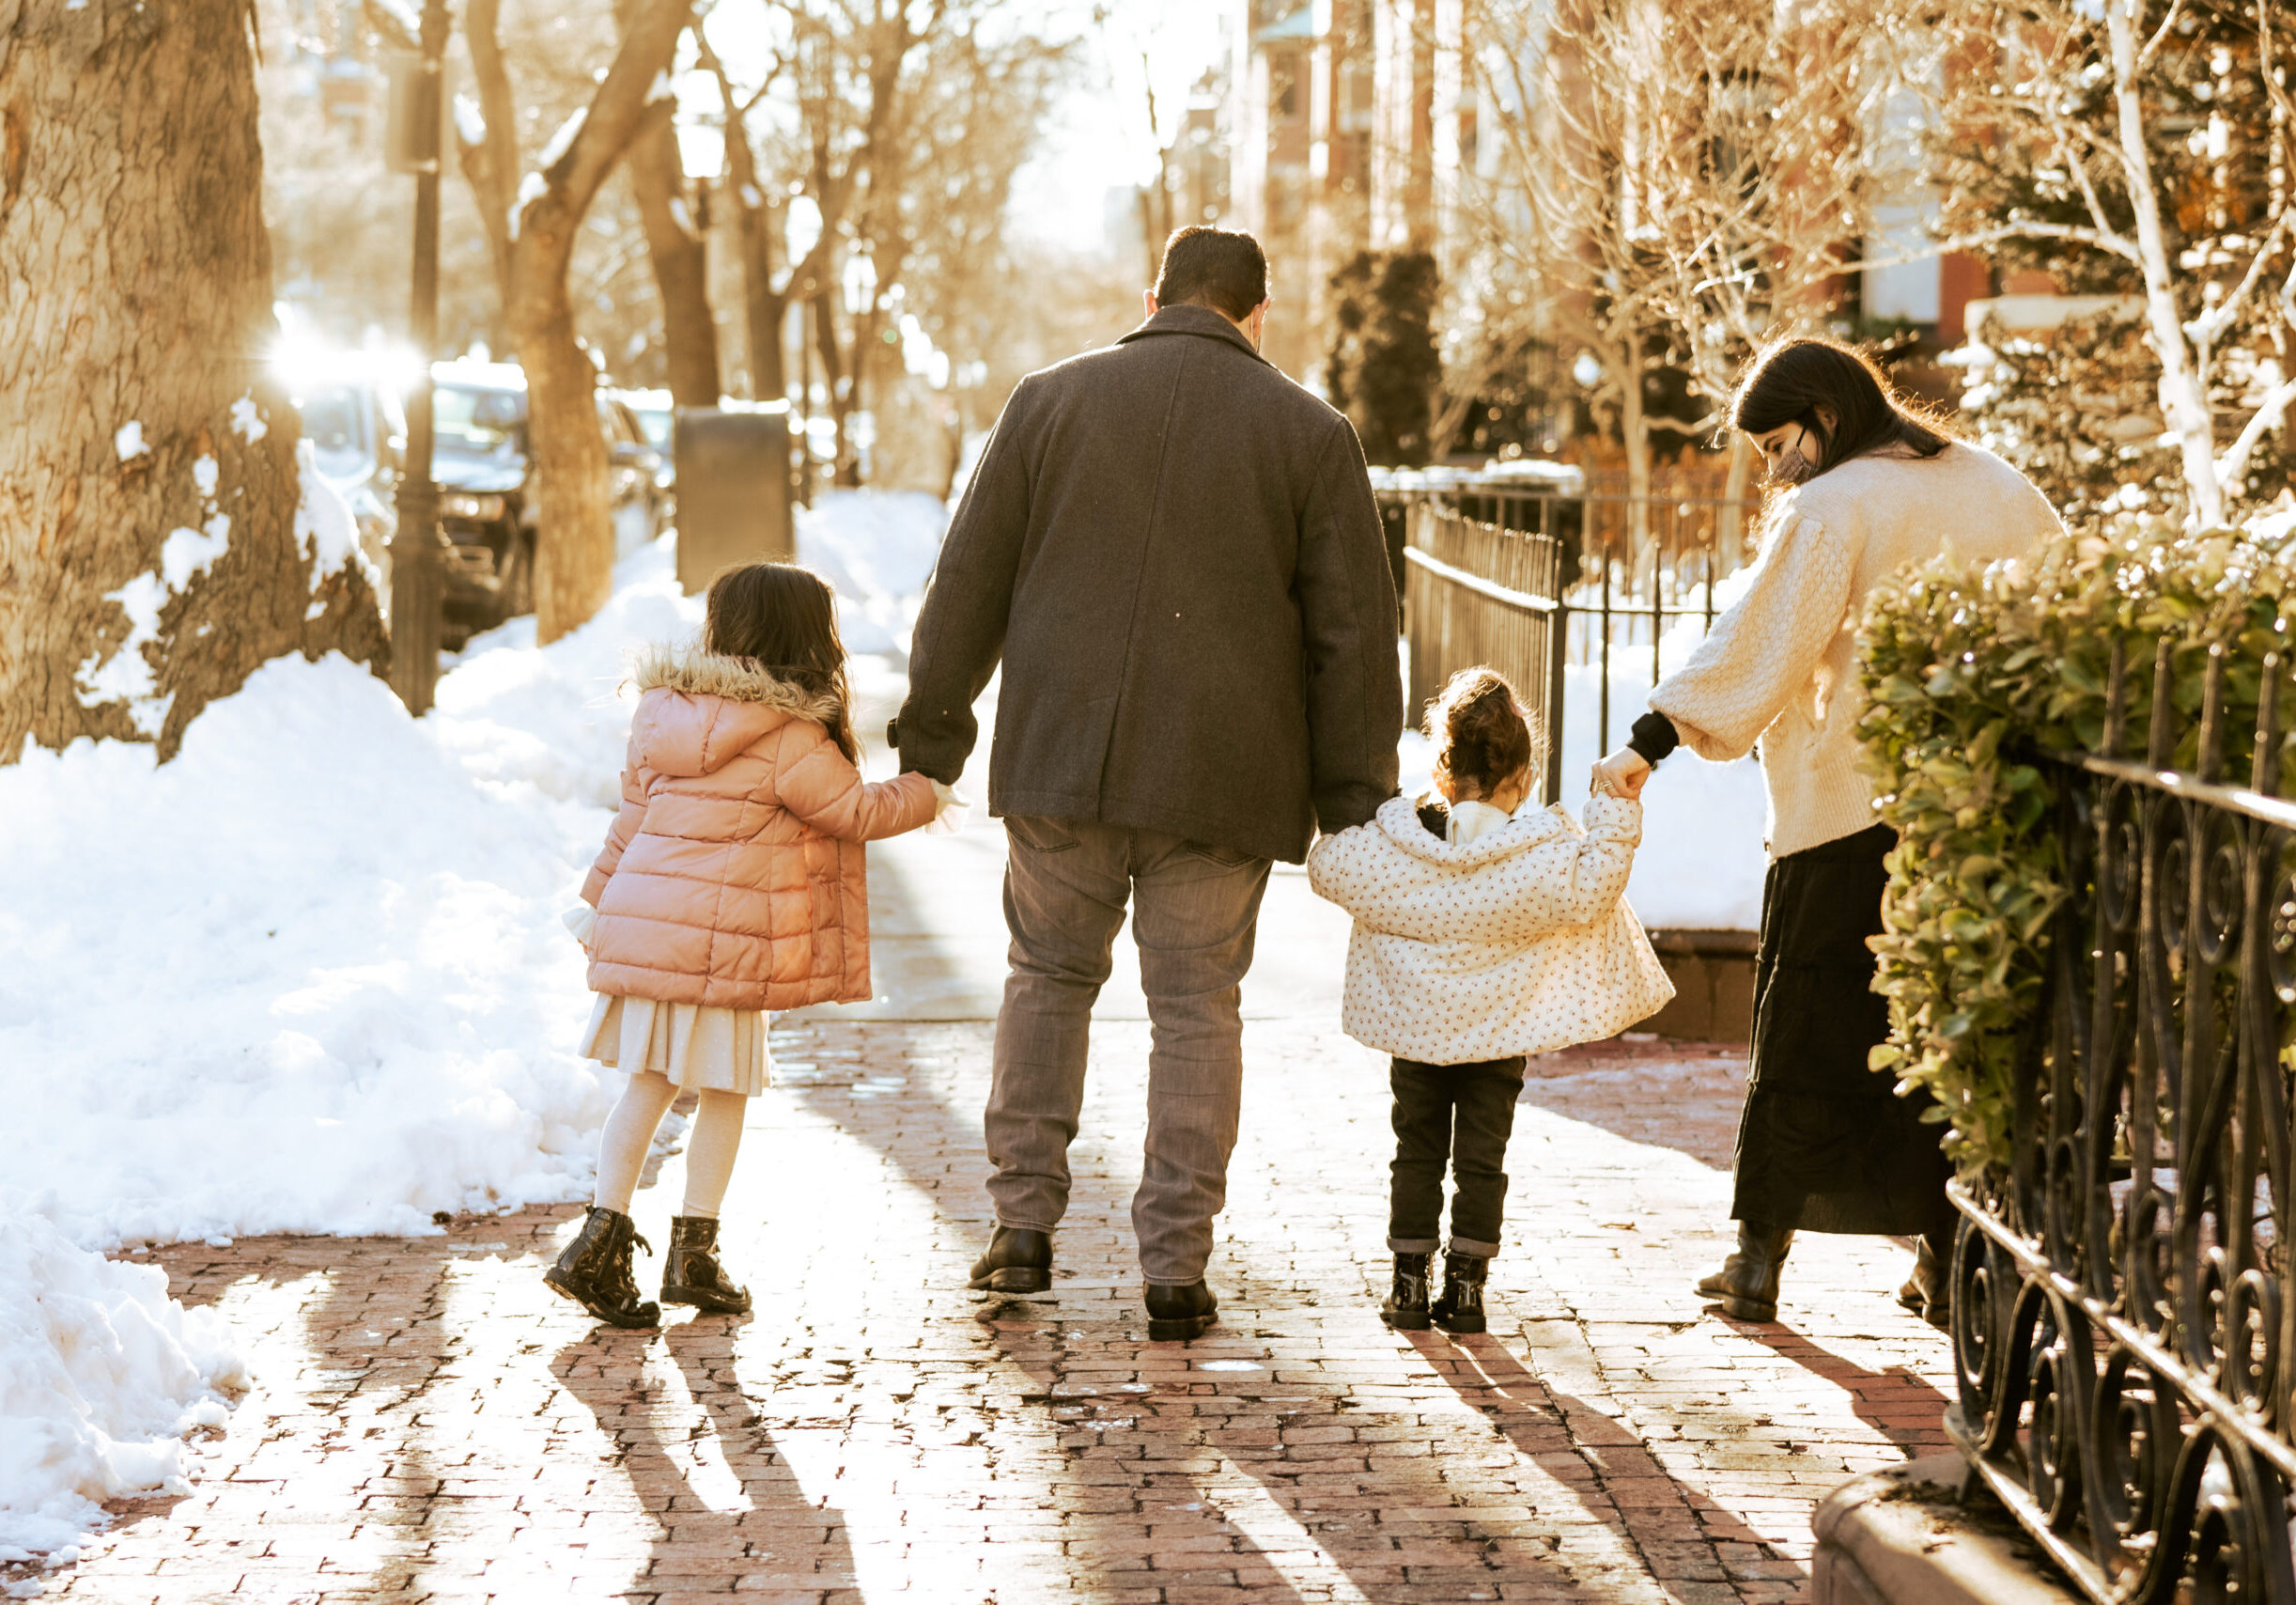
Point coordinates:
[[2122, 1331], [1532, 581]]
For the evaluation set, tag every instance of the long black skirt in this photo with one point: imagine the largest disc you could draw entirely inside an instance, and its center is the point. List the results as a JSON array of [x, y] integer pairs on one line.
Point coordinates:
[[1827, 1145]]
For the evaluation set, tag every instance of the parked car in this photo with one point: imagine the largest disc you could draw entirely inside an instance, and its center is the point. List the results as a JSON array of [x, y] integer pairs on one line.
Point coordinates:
[[484, 464], [358, 432], [641, 472]]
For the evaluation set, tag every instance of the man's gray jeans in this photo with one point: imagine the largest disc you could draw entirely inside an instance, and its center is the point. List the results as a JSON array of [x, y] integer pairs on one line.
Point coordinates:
[[1194, 911]]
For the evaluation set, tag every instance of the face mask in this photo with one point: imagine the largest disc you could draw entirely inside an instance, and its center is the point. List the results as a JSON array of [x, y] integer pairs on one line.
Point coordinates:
[[1792, 469]]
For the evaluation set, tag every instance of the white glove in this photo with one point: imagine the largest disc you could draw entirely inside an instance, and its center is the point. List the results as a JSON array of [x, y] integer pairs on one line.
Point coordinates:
[[582, 919], [950, 817]]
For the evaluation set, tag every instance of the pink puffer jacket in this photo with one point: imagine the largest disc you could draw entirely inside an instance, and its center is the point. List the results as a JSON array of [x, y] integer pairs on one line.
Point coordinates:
[[735, 875]]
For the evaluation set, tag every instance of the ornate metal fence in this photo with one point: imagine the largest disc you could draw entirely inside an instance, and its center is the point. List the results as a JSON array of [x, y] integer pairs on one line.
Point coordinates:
[[1530, 582], [2122, 1333]]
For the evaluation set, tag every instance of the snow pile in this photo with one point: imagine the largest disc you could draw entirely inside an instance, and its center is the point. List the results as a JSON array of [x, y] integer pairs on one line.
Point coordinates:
[[100, 1376], [877, 548], [310, 977]]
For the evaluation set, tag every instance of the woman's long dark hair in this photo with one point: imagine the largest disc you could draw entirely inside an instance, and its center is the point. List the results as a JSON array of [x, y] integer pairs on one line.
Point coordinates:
[[784, 618], [1791, 381]]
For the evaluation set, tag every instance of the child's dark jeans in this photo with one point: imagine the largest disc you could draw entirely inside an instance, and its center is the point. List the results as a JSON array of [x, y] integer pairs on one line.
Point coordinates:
[[1459, 1117]]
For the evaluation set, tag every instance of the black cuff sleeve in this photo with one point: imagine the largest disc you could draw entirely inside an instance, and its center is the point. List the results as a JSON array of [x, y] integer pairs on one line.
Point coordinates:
[[1654, 736]]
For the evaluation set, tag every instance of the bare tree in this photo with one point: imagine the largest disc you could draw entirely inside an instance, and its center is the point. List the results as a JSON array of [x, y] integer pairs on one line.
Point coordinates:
[[155, 547], [903, 125], [2086, 95], [1694, 175], [532, 219]]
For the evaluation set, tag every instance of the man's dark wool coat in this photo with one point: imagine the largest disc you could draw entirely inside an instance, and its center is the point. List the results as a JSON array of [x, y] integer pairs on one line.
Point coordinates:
[[1175, 550]]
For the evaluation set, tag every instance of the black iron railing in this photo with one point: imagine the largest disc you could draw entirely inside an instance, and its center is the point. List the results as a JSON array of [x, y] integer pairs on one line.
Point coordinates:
[[2122, 1333]]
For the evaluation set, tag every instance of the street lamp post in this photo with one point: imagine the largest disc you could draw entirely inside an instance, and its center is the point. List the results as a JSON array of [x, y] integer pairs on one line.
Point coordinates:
[[416, 580]]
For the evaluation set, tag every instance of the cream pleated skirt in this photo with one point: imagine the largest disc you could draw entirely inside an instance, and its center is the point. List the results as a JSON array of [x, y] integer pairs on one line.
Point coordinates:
[[700, 1049]]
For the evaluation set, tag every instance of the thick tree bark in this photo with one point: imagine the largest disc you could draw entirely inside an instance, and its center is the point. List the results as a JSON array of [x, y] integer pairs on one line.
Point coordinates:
[[150, 552]]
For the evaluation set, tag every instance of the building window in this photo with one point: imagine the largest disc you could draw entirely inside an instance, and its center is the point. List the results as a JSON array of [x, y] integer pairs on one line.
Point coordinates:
[[1283, 88]]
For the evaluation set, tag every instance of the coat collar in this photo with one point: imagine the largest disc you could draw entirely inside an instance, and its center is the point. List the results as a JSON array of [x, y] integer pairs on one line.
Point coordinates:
[[1190, 319], [691, 672]]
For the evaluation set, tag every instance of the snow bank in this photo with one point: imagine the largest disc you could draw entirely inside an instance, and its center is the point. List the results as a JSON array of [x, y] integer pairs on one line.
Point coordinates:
[[877, 548], [310, 977], [102, 1373]]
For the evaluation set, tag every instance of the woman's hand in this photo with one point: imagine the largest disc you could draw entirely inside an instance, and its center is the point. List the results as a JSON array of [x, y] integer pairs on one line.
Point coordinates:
[[1622, 775]]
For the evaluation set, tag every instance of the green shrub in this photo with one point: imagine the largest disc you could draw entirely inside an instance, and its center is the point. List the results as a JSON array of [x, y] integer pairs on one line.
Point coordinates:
[[1971, 673]]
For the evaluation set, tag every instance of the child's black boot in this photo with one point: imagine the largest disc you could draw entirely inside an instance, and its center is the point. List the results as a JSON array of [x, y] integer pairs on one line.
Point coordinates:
[[1406, 1307], [595, 1271], [1460, 1308], [691, 1273]]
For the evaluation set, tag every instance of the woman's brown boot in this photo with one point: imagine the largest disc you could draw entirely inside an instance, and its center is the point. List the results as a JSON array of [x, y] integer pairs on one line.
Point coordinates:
[[691, 1273], [1747, 1286], [595, 1271]]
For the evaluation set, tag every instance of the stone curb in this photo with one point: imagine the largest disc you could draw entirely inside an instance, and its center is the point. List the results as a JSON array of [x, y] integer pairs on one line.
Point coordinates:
[[1901, 1538]]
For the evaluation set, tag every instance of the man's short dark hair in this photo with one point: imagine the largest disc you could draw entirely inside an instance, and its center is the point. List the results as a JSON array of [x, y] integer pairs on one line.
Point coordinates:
[[1220, 268]]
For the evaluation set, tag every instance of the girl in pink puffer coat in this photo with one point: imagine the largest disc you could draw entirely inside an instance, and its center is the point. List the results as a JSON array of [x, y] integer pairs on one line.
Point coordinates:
[[733, 881]]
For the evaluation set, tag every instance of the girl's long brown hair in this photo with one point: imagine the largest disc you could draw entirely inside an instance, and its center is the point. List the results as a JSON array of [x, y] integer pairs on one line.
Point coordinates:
[[784, 618]]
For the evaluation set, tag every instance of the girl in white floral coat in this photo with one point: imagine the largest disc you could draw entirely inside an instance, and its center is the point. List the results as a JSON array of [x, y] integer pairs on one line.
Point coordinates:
[[1482, 935]]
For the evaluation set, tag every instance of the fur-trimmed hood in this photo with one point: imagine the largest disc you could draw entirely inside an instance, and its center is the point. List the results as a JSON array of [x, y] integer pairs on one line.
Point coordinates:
[[700, 710]]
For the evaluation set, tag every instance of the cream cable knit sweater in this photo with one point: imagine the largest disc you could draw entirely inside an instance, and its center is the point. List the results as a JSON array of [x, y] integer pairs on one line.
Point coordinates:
[[1780, 665]]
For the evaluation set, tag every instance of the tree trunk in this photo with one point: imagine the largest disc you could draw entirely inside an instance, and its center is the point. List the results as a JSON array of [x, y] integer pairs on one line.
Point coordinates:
[[677, 238], [535, 240], [150, 554], [837, 383], [573, 498], [766, 311]]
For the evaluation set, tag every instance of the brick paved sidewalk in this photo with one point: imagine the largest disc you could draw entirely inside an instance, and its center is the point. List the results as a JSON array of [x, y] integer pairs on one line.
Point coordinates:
[[428, 1424]]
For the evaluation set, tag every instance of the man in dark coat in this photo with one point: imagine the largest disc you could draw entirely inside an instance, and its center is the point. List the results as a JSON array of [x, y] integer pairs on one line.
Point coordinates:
[[1173, 550]]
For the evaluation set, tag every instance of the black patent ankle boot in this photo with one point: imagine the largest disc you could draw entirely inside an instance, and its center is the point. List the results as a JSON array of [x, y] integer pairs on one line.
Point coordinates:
[[1406, 1307], [1460, 1308], [691, 1273], [595, 1271], [1747, 1286]]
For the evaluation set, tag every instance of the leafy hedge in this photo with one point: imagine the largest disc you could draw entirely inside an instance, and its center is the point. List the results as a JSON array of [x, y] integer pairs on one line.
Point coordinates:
[[1969, 672]]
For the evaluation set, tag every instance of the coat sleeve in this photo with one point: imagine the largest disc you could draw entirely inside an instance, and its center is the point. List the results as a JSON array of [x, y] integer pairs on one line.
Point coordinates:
[[1335, 870], [1764, 649], [1348, 624], [820, 785], [627, 823], [968, 605], [1576, 880]]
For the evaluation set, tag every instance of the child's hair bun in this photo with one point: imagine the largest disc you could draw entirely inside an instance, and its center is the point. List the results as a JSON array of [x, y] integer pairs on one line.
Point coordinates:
[[1481, 731]]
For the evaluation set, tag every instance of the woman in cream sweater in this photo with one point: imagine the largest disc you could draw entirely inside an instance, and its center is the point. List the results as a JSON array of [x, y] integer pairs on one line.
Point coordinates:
[[1825, 1144]]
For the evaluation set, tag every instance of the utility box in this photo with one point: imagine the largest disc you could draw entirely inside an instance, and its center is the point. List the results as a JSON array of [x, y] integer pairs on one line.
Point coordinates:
[[732, 464]]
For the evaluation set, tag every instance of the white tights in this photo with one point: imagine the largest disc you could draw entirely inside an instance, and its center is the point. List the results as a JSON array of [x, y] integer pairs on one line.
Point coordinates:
[[629, 1132]]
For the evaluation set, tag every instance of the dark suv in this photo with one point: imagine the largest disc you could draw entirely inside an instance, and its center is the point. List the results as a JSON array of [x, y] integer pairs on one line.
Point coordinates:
[[482, 462]]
